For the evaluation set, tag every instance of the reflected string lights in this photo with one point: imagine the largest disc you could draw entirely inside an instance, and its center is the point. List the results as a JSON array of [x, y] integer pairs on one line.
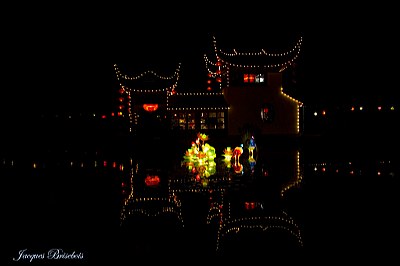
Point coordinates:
[[247, 216], [136, 203], [229, 218]]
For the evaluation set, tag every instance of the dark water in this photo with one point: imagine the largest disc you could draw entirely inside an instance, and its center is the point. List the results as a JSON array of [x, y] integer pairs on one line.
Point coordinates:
[[317, 200]]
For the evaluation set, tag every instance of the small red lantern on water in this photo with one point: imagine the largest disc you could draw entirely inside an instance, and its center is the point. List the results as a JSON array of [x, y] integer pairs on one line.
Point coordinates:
[[152, 180]]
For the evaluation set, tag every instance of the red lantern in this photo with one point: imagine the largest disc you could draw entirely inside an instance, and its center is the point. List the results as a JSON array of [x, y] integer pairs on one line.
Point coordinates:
[[151, 107], [152, 180]]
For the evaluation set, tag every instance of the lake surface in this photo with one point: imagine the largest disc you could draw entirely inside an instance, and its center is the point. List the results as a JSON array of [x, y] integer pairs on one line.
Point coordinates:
[[325, 198]]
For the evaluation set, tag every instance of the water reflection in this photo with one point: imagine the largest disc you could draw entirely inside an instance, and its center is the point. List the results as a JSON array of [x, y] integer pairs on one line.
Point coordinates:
[[229, 207], [236, 215], [164, 208], [149, 198]]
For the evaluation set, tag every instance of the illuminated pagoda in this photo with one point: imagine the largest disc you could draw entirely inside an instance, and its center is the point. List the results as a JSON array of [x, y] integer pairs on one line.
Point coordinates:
[[238, 88], [151, 100], [251, 82], [144, 96]]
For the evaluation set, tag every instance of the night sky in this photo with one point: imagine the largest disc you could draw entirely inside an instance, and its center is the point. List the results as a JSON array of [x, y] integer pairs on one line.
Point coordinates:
[[344, 58]]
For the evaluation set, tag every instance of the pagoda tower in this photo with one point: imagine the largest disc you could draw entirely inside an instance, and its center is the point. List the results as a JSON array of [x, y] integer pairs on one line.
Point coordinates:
[[251, 81]]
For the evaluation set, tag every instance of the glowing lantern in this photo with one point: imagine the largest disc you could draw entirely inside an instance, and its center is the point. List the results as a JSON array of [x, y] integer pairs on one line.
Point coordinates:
[[199, 159], [152, 180], [237, 166], [150, 107], [228, 156]]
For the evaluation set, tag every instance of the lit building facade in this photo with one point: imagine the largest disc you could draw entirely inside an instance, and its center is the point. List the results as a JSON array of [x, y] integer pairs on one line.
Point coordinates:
[[241, 89], [252, 85]]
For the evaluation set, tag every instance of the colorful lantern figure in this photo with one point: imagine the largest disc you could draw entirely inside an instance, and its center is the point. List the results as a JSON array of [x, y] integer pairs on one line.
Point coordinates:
[[199, 159], [252, 151], [237, 166], [228, 152]]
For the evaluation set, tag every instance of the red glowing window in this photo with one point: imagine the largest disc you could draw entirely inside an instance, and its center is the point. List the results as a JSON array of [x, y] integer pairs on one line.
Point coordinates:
[[249, 78], [151, 107], [250, 205]]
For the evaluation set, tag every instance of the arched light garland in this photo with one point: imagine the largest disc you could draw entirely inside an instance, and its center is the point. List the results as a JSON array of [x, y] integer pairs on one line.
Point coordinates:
[[172, 202], [295, 51], [147, 72], [262, 52], [175, 76], [258, 223]]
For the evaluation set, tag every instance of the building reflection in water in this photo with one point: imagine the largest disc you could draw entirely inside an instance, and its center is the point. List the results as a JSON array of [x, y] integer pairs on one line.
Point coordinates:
[[239, 205], [149, 199], [238, 215]]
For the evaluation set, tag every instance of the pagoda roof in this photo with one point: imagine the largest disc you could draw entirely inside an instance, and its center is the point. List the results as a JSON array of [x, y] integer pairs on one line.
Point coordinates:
[[148, 80], [240, 57]]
